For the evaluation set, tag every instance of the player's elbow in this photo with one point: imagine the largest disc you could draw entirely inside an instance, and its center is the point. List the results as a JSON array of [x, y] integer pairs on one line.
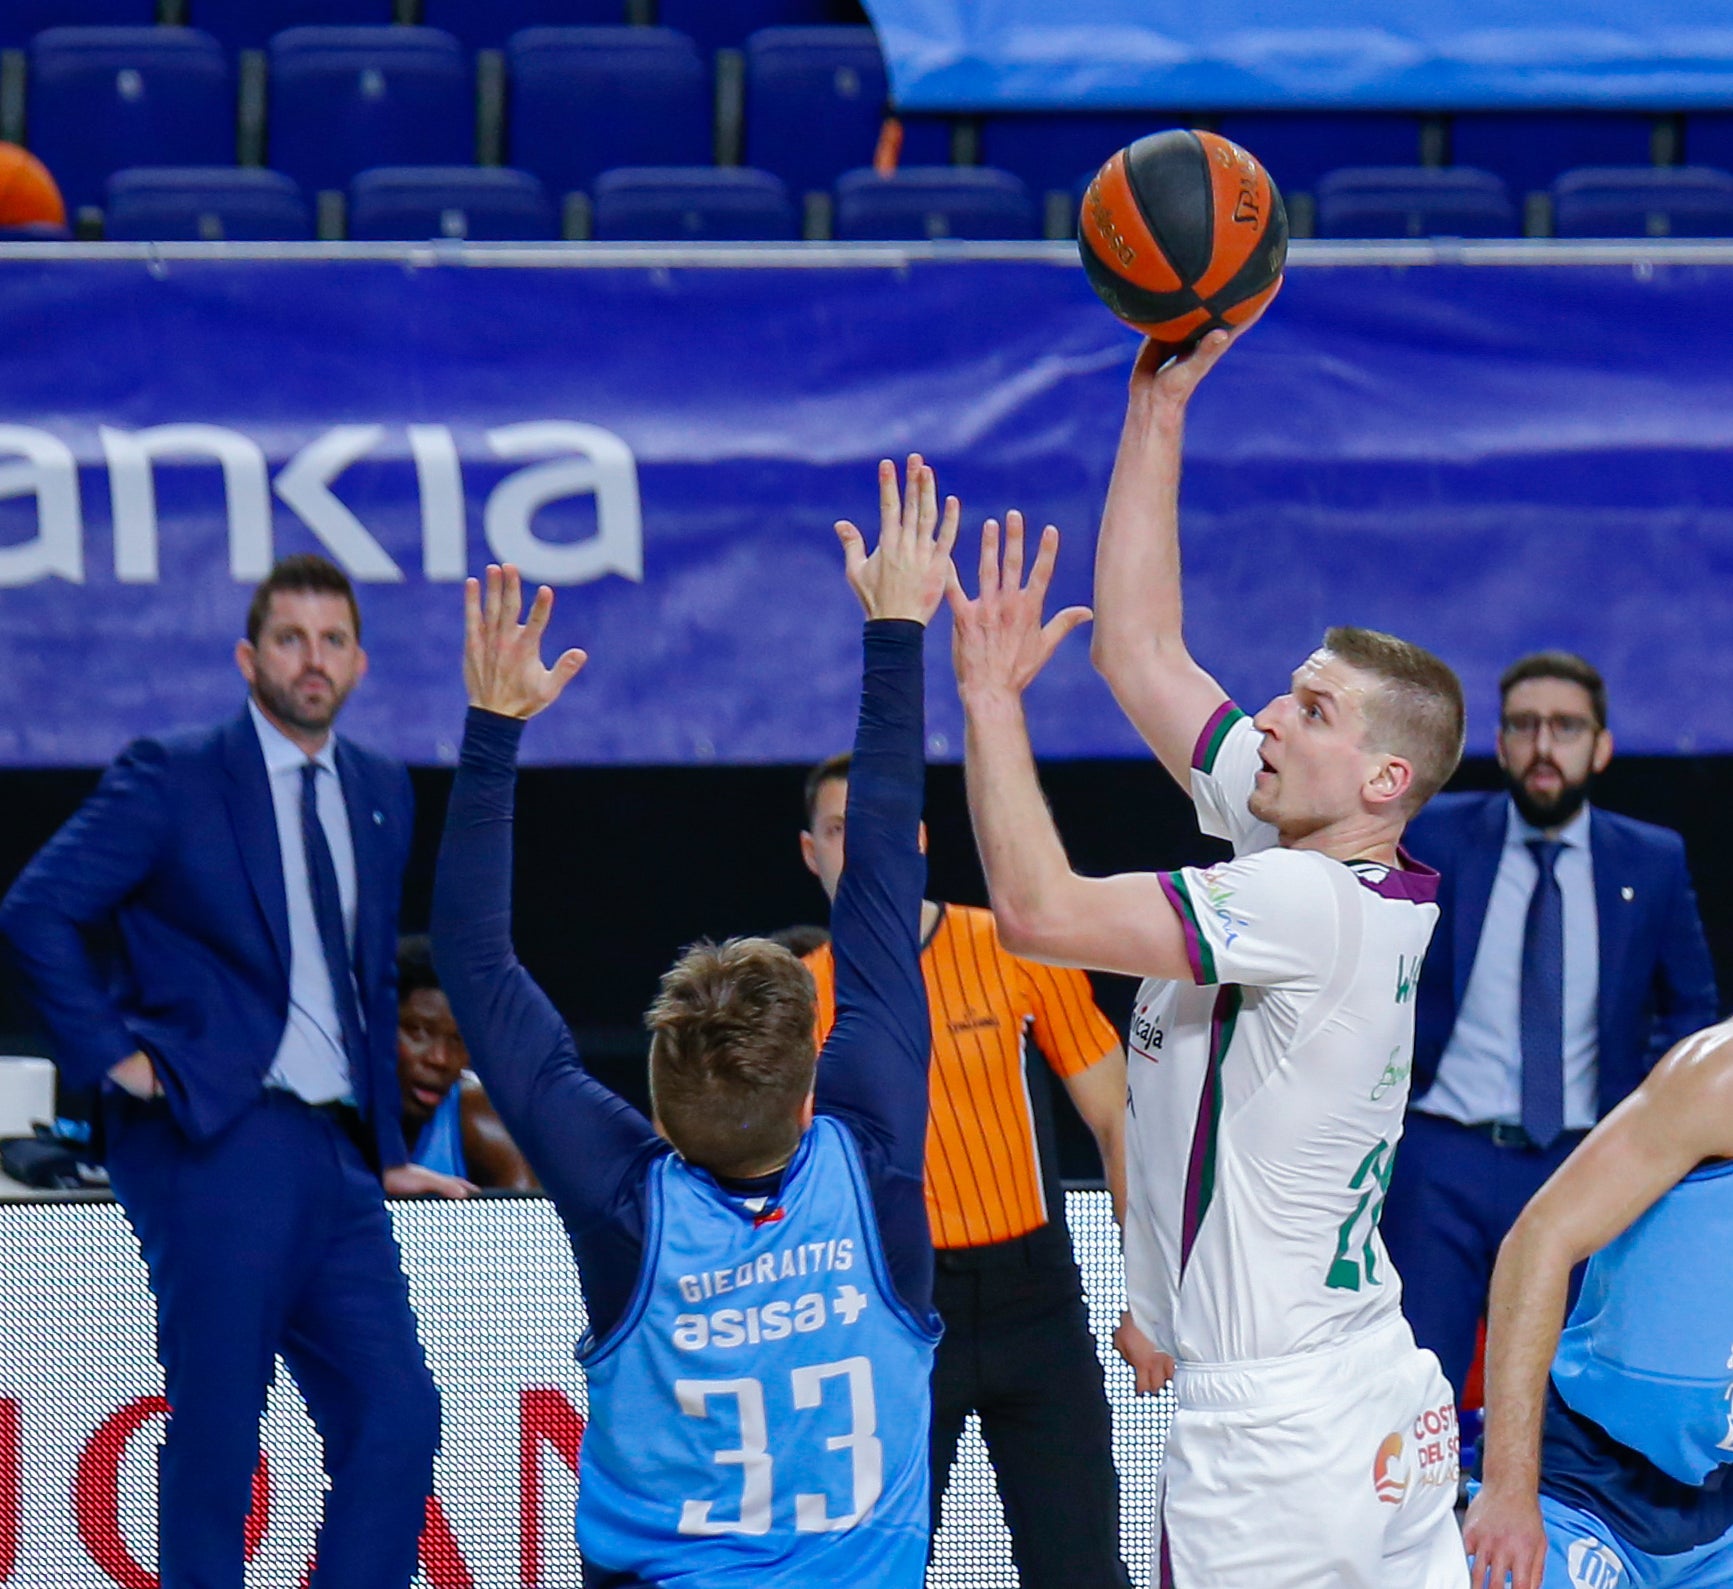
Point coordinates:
[[1026, 927]]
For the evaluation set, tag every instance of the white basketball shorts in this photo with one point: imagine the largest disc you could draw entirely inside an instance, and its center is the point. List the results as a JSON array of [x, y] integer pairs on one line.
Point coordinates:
[[1336, 1467]]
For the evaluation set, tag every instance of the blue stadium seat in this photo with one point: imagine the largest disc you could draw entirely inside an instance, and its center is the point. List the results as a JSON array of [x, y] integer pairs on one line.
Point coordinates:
[[584, 100], [487, 24], [250, 24], [1298, 147], [105, 98], [161, 204], [411, 203], [1643, 201], [655, 204], [1530, 149], [726, 24], [21, 20], [1709, 139], [1415, 201], [1051, 150], [345, 99], [815, 102], [921, 203]]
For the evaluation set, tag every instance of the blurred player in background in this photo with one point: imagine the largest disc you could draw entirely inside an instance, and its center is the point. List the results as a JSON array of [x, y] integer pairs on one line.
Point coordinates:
[[448, 1122], [1312, 1442], [755, 1262], [1615, 1471], [1017, 1348]]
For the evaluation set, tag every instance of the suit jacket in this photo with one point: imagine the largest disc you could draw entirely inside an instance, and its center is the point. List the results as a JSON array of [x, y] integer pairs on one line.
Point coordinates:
[[175, 861], [1657, 983]]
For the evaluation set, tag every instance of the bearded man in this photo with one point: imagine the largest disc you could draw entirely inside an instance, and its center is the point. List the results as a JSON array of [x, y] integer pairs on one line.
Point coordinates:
[[1568, 958], [211, 940]]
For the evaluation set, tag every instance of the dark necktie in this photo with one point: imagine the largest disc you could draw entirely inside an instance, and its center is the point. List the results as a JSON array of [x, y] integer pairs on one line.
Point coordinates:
[[328, 912], [1543, 1001]]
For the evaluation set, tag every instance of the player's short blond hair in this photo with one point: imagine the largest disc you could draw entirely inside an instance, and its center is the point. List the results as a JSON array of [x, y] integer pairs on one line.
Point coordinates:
[[1417, 712], [733, 1054]]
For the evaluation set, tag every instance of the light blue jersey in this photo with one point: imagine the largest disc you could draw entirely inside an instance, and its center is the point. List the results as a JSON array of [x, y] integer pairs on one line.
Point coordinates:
[[758, 1418], [1648, 1352], [440, 1145]]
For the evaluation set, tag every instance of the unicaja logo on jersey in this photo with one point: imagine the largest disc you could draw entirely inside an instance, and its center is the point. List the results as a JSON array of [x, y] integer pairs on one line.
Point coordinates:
[[1390, 1471], [1593, 1565]]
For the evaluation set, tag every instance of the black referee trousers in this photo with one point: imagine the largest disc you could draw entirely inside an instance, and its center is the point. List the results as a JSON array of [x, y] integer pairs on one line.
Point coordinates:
[[1018, 1351]]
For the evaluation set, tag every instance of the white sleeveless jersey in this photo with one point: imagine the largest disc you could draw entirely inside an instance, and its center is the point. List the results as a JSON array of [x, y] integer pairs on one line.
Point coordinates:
[[1266, 1097]]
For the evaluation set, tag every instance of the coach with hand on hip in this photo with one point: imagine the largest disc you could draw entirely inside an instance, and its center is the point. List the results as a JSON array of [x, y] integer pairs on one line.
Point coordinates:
[[1568, 958], [244, 1029]]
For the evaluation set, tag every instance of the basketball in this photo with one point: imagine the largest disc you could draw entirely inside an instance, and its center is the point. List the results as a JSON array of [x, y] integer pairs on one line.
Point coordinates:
[[28, 196], [1183, 233]]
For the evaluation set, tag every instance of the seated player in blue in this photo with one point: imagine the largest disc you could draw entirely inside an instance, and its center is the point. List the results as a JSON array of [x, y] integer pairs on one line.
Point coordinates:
[[1615, 1470], [449, 1124], [756, 1263]]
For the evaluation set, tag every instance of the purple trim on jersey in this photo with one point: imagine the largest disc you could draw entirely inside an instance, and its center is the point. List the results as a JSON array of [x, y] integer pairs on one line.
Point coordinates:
[[1166, 1554], [1173, 885], [1410, 879], [1200, 1172], [1209, 742]]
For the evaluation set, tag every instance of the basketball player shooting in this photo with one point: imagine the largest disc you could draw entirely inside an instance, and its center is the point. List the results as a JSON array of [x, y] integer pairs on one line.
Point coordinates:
[[1312, 1442], [755, 1261]]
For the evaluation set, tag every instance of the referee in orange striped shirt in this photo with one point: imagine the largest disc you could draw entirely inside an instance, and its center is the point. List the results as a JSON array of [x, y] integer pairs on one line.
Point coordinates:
[[1017, 1348]]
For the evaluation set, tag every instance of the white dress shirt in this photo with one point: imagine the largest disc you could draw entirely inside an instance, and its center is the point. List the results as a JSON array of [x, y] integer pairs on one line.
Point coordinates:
[[310, 1060], [1480, 1073]]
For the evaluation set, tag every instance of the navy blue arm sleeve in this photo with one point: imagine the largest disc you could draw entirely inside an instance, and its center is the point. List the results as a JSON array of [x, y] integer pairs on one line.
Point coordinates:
[[873, 1072], [589, 1147]]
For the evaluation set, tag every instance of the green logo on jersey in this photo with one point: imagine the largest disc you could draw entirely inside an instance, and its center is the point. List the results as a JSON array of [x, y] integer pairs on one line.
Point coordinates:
[[1407, 976], [1372, 1182]]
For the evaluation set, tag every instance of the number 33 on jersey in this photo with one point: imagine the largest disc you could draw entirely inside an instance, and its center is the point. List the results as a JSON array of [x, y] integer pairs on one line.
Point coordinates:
[[766, 1393]]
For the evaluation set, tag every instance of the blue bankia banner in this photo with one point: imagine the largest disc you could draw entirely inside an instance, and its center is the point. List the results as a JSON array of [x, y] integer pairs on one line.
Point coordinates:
[[1484, 458]]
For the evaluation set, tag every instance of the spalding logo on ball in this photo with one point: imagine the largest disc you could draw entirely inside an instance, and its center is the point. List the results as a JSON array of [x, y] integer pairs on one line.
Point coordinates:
[[1182, 234]]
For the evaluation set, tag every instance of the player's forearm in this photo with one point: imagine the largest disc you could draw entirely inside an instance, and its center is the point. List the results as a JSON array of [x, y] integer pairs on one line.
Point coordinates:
[[1138, 642], [1028, 875], [1525, 1313], [1139, 612], [876, 1057]]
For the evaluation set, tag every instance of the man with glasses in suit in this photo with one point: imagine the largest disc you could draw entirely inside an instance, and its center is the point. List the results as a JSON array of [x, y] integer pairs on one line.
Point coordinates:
[[1569, 956]]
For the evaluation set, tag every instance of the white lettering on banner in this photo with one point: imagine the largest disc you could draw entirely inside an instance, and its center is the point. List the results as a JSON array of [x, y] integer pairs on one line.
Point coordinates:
[[305, 484], [132, 488], [578, 460], [439, 474], [604, 465], [50, 471]]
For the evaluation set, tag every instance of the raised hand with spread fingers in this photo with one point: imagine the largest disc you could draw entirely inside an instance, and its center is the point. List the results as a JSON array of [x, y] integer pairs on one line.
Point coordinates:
[[908, 571], [502, 658]]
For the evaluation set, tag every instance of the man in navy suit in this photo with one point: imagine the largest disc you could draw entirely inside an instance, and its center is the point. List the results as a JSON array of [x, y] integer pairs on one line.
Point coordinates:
[[1568, 957], [242, 1024]]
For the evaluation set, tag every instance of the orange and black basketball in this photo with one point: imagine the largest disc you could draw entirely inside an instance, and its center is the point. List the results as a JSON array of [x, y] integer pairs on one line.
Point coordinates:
[[1182, 234]]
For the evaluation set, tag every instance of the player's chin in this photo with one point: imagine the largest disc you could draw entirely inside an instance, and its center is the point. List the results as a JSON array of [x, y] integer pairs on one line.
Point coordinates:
[[1262, 801]]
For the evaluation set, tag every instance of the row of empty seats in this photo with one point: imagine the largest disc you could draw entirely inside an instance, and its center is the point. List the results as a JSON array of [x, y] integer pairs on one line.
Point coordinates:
[[334, 101], [712, 204], [477, 24]]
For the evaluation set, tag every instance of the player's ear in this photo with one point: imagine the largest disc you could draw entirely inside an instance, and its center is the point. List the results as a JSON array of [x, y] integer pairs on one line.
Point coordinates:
[[1391, 782], [809, 852], [806, 1109], [246, 659], [921, 838], [1603, 751]]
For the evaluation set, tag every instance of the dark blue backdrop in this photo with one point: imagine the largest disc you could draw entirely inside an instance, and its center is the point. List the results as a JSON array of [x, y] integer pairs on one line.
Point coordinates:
[[1483, 458]]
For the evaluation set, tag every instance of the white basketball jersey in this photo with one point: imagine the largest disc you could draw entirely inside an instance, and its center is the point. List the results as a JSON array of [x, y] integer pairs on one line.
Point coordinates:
[[1266, 1097]]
